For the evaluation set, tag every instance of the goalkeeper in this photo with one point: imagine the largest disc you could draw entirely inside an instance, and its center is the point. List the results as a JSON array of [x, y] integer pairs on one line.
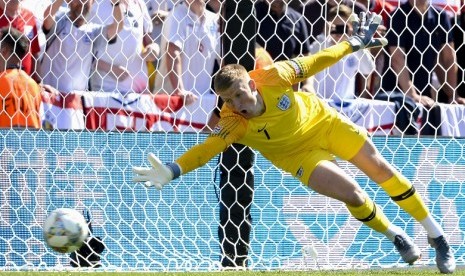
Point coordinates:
[[301, 134]]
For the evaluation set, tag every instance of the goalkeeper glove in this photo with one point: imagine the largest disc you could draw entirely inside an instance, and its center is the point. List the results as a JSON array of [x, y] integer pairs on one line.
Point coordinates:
[[365, 27], [158, 175]]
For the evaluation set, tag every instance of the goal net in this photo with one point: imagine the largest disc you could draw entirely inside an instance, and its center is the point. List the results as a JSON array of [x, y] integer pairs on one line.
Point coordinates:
[[82, 157]]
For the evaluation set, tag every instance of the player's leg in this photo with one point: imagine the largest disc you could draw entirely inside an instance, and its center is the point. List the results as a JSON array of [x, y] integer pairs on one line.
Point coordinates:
[[330, 180], [357, 138], [363, 154], [399, 188], [374, 165]]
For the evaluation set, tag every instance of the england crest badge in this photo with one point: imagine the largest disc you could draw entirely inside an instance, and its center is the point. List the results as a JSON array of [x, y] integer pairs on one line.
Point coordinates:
[[284, 103]]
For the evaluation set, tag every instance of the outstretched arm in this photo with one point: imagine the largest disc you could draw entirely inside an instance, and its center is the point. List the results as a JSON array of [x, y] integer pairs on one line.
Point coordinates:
[[229, 130], [200, 154], [364, 26], [160, 174], [305, 67]]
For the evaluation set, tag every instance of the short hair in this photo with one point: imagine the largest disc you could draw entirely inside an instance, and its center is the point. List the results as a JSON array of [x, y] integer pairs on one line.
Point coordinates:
[[228, 75], [15, 40]]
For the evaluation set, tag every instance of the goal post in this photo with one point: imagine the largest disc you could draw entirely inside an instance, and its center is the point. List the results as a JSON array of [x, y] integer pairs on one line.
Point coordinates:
[[236, 180]]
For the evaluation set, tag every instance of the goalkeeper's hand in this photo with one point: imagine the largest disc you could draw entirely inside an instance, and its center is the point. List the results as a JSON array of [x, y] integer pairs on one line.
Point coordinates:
[[158, 175], [365, 26]]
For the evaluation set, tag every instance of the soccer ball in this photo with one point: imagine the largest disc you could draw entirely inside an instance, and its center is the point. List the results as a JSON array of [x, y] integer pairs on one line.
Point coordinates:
[[65, 230]]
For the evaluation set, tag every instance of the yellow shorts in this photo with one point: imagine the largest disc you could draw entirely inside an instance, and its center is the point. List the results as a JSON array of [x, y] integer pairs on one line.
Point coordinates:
[[341, 138]]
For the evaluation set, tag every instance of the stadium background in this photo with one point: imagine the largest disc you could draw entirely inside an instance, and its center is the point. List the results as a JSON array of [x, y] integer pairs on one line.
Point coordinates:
[[177, 229]]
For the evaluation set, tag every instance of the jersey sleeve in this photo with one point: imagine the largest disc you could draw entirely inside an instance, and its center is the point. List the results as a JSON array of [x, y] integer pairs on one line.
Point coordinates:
[[229, 130], [200, 154], [231, 127], [301, 68]]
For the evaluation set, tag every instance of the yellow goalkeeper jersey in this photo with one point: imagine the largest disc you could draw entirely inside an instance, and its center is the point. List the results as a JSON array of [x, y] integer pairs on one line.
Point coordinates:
[[290, 121]]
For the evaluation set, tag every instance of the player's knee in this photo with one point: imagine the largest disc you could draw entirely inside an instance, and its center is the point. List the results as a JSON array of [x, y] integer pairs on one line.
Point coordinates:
[[382, 171], [357, 198]]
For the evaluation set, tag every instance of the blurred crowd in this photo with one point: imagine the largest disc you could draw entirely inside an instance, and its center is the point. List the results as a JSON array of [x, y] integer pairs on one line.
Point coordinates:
[[174, 48]]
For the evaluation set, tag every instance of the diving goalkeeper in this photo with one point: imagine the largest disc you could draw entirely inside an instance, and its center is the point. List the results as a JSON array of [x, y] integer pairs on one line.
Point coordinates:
[[301, 134]]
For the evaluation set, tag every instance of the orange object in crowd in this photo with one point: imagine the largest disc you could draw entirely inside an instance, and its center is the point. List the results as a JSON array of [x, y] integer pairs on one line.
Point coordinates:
[[20, 100]]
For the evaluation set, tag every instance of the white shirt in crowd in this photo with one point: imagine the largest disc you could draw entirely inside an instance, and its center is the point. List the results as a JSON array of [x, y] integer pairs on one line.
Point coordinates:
[[155, 6], [125, 51], [338, 81], [199, 41], [67, 61]]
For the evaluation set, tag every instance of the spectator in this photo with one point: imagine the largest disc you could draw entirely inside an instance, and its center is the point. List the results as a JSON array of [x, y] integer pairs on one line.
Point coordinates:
[[297, 5], [383, 8], [316, 14], [281, 30], [214, 5], [67, 61], [418, 52], [190, 46], [13, 14], [451, 7], [122, 66], [456, 11], [420, 43], [337, 82], [158, 11], [19, 93], [237, 187]]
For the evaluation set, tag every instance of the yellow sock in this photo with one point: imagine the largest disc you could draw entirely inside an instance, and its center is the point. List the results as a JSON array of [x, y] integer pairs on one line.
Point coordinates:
[[370, 215], [403, 193]]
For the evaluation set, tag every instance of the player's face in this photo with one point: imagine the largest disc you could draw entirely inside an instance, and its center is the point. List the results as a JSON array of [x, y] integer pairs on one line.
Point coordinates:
[[242, 98]]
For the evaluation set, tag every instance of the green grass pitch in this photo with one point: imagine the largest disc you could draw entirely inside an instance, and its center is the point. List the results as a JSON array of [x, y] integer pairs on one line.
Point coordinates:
[[407, 271]]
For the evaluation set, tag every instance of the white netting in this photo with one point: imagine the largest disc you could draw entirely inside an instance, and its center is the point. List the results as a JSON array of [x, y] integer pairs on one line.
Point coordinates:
[[96, 129]]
